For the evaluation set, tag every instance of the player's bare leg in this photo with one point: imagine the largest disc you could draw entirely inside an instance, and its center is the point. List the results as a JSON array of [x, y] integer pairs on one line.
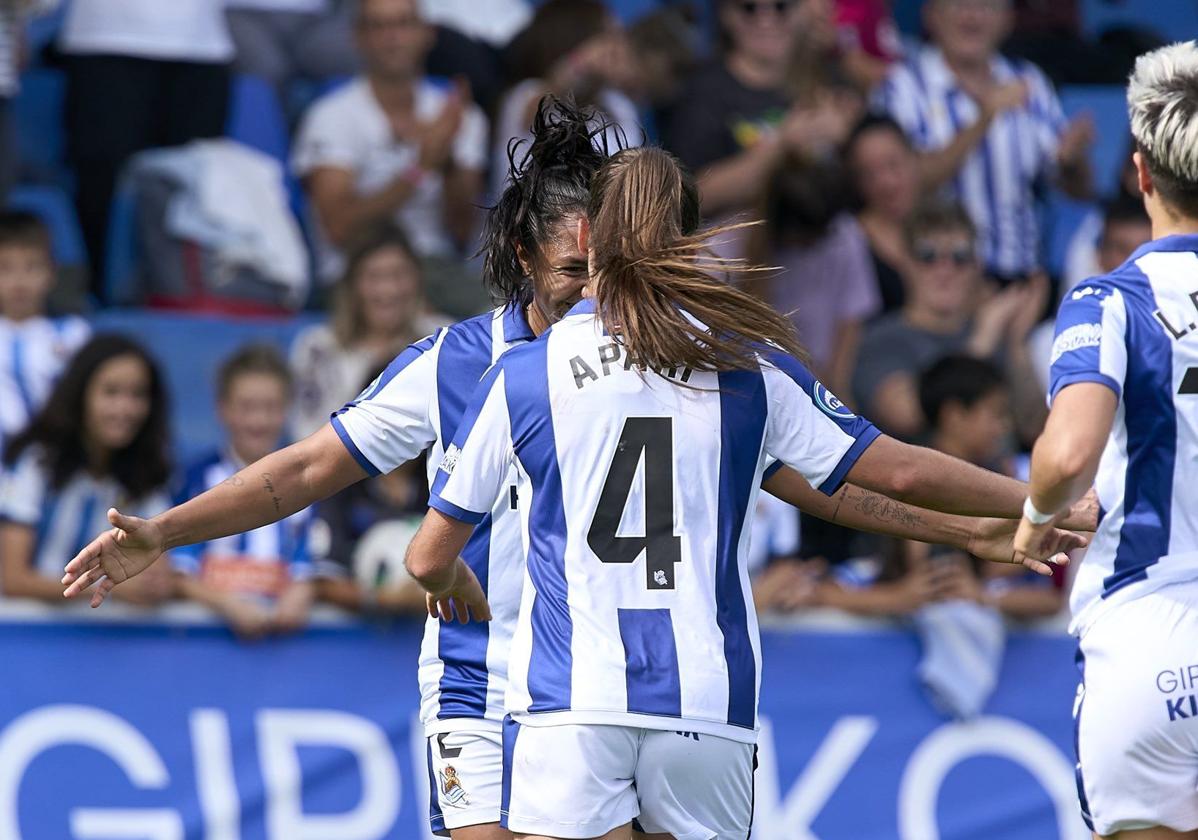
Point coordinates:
[[486, 831], [1150, 834], [624, 832]]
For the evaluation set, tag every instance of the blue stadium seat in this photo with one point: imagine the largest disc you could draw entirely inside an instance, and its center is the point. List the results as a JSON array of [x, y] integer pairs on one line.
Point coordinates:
[[1173, 20], [190, 349], [37, 114], [53, 206], [256, 117]]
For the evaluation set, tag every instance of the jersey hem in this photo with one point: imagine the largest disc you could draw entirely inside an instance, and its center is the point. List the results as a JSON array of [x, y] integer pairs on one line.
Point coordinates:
[[446, 725], [832, 482], [1100, 608], [639, 721], [1075, 378], [455, 512], [354, 451]]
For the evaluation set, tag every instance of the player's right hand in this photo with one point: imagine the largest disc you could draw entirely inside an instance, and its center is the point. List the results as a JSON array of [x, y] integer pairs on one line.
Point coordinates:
[[465, 598], [114, 556]]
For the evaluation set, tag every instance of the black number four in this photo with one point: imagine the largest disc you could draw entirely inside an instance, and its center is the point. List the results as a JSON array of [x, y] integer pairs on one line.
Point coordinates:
[[653, 436]]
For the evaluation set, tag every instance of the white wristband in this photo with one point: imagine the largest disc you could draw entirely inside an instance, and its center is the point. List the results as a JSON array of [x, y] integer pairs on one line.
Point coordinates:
[[1034, 516]]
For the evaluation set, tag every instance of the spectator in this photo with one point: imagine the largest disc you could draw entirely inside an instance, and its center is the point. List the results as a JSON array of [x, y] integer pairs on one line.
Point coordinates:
[[394, 145], [170, 63], [360, 537], [571, 48], [989, 127], [769, 101], [260, 582], [665, 49], [284, 40], [99, 442], [885, 174], [1082, 257], [378, 309], [966, 405], [947, 311], [868, 38], [34, 347], [13, 17], [827, 283]]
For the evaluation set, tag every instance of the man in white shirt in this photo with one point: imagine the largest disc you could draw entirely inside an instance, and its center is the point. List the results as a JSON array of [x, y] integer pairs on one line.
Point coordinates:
[[393, 144]]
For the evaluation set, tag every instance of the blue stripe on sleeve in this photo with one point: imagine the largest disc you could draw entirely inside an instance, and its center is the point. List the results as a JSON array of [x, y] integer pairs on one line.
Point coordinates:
[[650, 662], [363, 461], [836, 478], [408, 355], [463, 647], [743, 408], [851, 424], [550, 661], [450, 509], [771, 471]]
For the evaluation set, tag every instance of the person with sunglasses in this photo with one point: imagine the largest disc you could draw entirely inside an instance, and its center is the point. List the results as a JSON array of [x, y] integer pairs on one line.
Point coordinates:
[[734, 123], [948, 308]]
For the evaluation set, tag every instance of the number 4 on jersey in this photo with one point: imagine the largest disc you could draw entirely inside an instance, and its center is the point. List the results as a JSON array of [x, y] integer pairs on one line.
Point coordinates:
[[654, 437]]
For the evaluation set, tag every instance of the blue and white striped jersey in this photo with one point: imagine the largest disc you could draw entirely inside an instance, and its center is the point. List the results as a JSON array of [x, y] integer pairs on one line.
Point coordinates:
[[258, 563], [32, 355], [635, 489], [996, 182], [65, 519], [1136, 331], [416, 404]]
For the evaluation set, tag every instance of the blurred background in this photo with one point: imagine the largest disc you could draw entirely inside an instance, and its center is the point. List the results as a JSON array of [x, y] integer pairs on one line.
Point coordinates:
[[222, 218]]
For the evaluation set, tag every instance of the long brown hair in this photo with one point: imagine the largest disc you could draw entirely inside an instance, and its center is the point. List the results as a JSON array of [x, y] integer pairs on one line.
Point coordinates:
[[347, 319], [650, 274]]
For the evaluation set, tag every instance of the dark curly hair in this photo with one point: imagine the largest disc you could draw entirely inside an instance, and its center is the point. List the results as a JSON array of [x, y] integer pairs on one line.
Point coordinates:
[[547, 181], [58, 429]]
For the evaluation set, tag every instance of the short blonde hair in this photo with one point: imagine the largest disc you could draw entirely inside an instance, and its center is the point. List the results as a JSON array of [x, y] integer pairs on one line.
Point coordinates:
[[1162, 102]]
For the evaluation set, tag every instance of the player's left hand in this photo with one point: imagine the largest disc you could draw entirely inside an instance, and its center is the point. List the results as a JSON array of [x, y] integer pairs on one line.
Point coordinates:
[[998, 540], [464, 597]]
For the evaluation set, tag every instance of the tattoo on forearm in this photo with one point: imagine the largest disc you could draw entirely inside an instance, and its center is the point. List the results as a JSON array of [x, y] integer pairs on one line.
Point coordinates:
[[884, 509], [236, 480], [269, 484], [840, 497]]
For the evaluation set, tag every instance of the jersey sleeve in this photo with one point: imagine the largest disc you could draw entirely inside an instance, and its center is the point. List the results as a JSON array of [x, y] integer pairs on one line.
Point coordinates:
[[808, 428], [476, 464], [23, 490], [390, 423], [1091, 340]]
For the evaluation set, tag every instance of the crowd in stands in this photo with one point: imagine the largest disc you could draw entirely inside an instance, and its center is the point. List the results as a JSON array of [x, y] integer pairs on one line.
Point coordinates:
[[903, 184]]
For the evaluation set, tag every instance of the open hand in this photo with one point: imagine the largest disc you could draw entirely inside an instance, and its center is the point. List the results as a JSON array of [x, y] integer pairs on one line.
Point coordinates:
[[114, 556], [464, 598], [995, 540]]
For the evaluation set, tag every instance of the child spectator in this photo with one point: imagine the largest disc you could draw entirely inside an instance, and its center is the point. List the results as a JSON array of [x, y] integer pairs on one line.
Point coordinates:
[[967, 407], [260, 582], [99, 442], [948, 309], [33, 346], [360, 536], [378, 309]]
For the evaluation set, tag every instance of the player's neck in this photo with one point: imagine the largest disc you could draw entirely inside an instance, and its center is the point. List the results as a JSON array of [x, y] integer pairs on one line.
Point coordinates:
[[1174, 226]]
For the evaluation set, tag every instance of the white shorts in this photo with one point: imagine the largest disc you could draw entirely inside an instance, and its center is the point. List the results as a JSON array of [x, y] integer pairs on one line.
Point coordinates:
[[576, 781], [1136, 714], [465, 778]]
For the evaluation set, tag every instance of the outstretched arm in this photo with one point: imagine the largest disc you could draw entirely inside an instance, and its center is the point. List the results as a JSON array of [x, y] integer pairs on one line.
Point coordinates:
[[266, 491], [864, 510]]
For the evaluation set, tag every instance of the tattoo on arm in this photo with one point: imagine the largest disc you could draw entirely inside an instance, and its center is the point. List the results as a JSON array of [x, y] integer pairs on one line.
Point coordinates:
[[885, 509], [236, 480], [269, 485], [840, 497]]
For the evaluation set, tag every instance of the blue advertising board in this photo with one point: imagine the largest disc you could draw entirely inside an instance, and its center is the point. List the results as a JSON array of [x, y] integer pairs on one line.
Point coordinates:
[[179, 732]]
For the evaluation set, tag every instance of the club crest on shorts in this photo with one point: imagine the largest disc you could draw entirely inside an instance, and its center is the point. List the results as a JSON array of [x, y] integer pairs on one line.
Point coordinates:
[[829, 403], [451, 787]]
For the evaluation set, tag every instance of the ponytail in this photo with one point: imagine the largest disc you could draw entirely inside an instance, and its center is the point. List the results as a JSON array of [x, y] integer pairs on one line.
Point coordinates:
[[657, 282], [547, 184]]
